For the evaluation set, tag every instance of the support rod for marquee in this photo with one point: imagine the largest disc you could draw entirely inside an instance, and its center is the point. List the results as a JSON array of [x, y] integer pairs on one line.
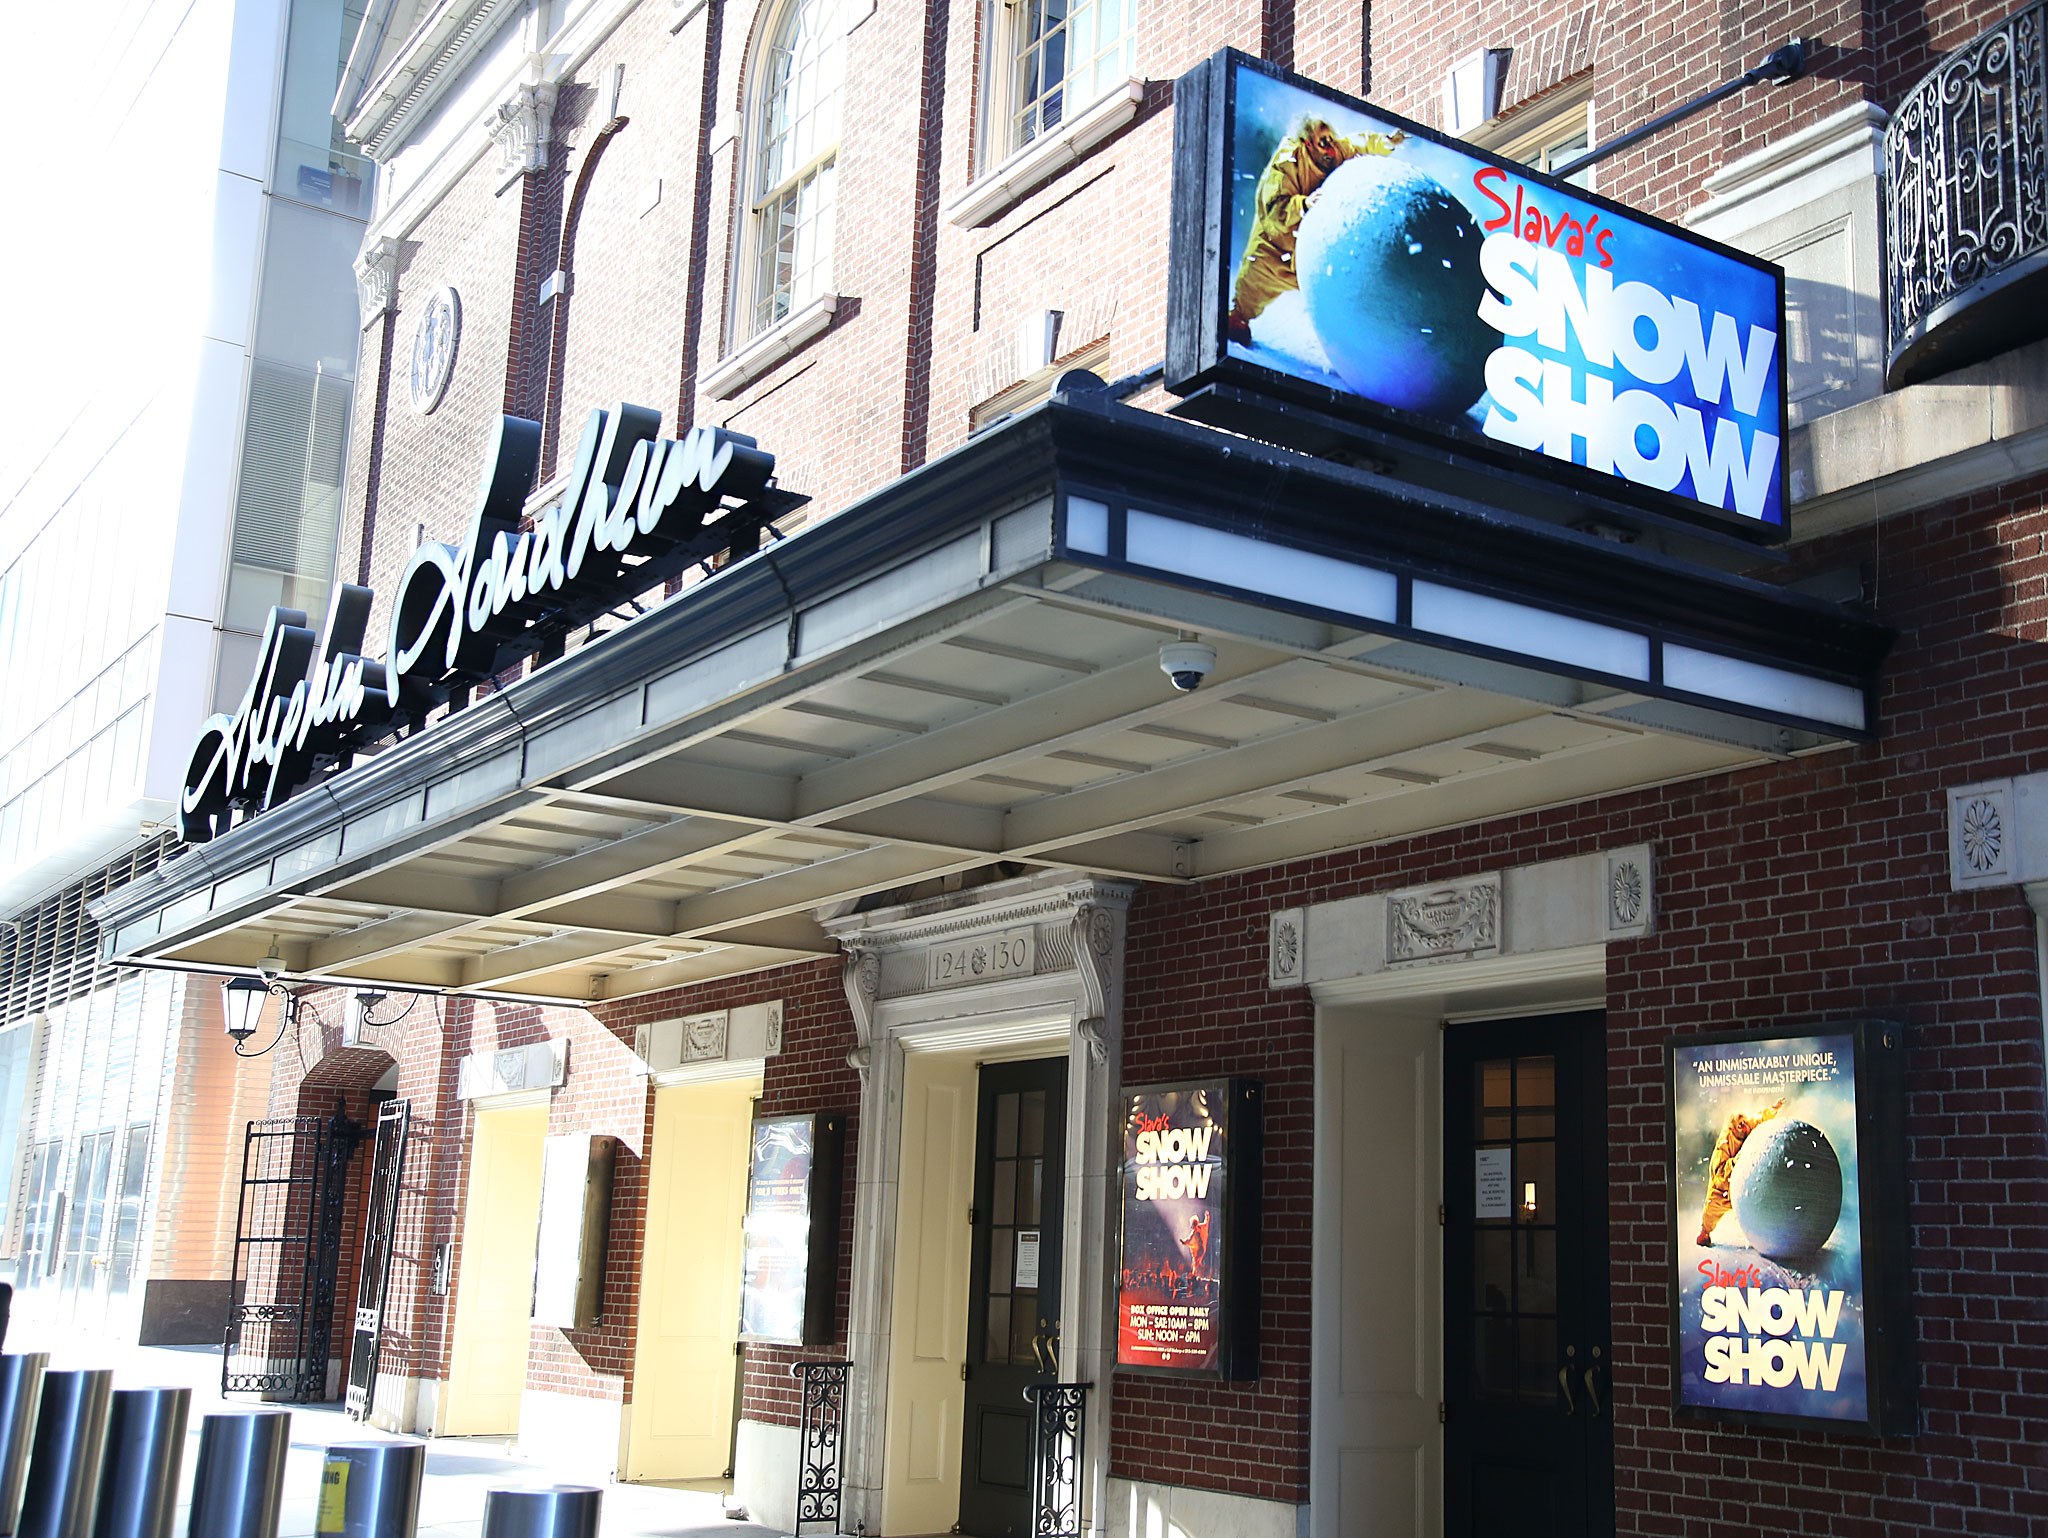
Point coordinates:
[[1780, 64]]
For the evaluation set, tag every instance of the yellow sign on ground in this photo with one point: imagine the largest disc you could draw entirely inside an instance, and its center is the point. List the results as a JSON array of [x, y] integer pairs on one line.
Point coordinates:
[[333, 1515]]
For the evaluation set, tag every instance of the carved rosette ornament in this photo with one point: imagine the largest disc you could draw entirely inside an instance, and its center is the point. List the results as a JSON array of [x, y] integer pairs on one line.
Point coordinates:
[[524, 124], [1283, 949]]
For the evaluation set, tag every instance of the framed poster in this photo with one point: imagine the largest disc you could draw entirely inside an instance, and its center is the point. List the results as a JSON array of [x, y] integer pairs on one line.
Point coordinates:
[[1789, 1284], [1188, 1271], [1335, 255], [791, 1238]]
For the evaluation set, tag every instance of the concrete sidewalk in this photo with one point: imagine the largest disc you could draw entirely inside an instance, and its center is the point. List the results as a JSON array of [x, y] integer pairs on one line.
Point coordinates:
[[460, 1471]]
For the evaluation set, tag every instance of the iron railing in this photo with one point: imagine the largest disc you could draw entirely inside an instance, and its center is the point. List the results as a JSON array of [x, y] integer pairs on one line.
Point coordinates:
[[821, 1440], [1058, 1412], [1966, 202]]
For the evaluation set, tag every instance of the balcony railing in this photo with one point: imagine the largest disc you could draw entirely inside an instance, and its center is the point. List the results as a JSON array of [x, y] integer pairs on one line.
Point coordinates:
[[1966, 204]]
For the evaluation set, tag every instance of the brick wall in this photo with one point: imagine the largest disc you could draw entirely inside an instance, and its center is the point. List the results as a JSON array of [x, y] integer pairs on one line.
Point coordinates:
[[1810, 891]]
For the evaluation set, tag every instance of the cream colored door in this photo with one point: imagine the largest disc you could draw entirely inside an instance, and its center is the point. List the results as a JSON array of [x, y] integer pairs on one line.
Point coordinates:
[[1376, 1449], [494, 1284], [679, 1425], [928, 1309]]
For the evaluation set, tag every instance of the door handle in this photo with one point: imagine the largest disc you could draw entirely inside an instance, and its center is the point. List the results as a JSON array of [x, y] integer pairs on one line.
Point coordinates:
[[1564, 1381], [1592, 1393], [1038, 1351], [1052, 1351]]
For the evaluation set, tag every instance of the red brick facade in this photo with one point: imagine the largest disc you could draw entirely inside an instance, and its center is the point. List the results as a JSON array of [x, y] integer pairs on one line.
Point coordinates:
[[1815, 890]]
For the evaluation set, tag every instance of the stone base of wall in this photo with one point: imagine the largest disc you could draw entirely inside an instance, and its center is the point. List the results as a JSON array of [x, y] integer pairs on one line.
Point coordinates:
[[764, 1473], [1138, 1509], [176, 1313], [405, 1404]]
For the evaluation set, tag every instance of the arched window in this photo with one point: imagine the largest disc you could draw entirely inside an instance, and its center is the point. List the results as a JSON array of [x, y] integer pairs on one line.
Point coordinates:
[[798, 77]]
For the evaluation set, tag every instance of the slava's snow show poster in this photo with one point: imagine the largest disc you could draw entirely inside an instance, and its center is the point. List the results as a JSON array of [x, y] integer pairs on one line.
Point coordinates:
[[1170, 1284], [1365, 256], [1768, 1241], [778, 1231]]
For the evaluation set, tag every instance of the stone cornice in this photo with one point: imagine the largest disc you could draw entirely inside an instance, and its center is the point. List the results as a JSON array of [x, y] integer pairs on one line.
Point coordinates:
[[1048, 896], [524, 122], [377, 279]]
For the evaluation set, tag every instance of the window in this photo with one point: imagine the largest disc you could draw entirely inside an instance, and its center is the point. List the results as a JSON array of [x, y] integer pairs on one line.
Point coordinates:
[[799, 76], [1546, 135], [1054, 58]]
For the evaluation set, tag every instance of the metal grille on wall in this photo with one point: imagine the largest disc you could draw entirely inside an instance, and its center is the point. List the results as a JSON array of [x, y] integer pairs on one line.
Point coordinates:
[[1966, 195], [50, 954]]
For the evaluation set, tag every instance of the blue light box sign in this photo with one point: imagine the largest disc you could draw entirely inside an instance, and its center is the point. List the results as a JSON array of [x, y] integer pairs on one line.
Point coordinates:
[[1367, 262]]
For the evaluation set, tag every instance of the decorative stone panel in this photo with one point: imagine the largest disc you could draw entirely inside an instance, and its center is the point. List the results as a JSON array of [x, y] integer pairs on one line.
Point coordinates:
[[543, 1065], [1453, 920]]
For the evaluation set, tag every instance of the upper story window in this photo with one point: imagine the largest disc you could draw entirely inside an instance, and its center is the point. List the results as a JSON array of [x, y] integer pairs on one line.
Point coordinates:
[[798, 84], [1051, 59], [1547, 135]]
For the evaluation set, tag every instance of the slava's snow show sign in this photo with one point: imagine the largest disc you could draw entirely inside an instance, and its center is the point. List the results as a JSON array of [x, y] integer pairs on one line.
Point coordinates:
[[1377, 263], [1786, 1282], [637, 509], [1187, 1283]]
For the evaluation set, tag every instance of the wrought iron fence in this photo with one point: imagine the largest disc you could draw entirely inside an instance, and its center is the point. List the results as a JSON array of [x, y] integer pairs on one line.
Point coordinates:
[[1058, 1412], [1966, 197], [821, 1440]]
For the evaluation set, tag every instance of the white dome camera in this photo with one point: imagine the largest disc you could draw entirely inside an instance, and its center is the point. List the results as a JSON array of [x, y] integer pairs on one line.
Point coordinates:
[[1187, 663]]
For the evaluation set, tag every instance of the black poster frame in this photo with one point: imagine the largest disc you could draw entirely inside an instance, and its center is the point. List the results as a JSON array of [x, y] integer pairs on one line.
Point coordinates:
[[1885, 1235], [822, 1190], [1237, 1250]]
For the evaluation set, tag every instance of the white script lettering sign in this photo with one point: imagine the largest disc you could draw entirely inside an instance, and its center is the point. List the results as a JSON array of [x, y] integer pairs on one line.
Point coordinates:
[[638, 508]]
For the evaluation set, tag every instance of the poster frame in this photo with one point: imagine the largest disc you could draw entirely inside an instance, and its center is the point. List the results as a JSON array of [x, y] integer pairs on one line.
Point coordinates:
[[1239, 1301], [822, 1192], [1886, 1234], [1200, 267]]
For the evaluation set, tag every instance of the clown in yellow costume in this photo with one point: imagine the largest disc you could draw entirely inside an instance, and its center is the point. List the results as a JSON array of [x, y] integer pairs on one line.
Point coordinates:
[[1291, 180], [1721, 1167]]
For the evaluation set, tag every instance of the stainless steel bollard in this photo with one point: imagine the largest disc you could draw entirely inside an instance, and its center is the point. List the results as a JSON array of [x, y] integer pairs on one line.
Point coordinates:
[[21, 1396], [238, 1485], [562, 1511], [372, 1489], [64, 1469], [145, 1450]]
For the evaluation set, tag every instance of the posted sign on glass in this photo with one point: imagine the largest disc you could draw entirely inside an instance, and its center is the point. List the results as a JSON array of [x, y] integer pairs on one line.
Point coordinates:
[[1787, 1284], [791, 1235], [1328, 249]]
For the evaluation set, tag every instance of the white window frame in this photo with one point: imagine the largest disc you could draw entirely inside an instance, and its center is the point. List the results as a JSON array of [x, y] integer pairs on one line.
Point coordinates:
[[1009, 161], [758, 336], [1548, 133]]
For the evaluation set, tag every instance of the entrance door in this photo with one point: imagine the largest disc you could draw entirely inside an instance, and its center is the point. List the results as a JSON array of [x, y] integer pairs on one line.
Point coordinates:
[[1528, 1429], [681, 1421], [1013, 1314], [373, 1279], [494, 1277]]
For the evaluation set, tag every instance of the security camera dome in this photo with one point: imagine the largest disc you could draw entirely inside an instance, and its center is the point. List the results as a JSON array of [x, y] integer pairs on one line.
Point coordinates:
[[1187, 663]]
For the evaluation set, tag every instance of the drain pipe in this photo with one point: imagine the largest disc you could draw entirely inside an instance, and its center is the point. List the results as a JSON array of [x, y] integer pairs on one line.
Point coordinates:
[[1784, 63]]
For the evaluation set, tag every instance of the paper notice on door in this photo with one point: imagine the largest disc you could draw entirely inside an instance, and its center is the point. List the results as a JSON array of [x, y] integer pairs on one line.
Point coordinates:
[[1490, 1194], [1027, 1259]]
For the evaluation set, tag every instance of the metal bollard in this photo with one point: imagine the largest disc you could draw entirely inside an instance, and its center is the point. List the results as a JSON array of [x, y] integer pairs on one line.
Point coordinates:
[[64, 1469], [561, 1511], [21, 1396], [145, 1449], [372, 1489], [238, 1485]]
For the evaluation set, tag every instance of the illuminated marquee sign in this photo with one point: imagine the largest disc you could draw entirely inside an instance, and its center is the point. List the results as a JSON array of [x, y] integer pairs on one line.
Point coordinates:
[[1355, 260], [1789, 1283], [637, 509]]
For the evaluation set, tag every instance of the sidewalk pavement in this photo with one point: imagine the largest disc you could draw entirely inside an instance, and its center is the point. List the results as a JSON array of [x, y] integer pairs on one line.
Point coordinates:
[[460, 1470]]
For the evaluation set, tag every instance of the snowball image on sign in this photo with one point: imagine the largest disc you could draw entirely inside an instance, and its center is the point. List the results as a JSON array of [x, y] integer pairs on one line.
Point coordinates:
[[1378, 262], [1769, 1254]]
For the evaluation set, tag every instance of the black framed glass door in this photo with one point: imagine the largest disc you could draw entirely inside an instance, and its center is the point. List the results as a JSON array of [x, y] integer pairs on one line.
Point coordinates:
[[1528, 1423]]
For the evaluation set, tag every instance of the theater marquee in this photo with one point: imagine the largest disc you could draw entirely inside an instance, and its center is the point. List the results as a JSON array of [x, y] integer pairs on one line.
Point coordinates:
[[1342, 256]]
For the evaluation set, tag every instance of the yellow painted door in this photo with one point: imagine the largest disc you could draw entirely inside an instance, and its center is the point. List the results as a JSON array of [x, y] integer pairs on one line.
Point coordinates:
[[928, 1311], [680, 1421], [494, 1285]]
